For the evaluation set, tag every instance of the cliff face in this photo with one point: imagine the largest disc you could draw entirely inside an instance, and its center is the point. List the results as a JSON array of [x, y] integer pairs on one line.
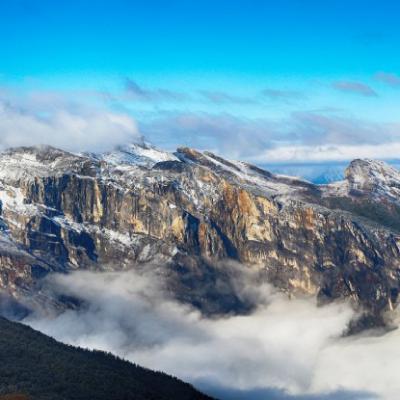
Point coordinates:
[[182, 213]]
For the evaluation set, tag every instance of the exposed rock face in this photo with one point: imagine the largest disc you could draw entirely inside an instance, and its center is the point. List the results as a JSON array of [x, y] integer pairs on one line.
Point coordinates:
[[184, 212], [368, 176]]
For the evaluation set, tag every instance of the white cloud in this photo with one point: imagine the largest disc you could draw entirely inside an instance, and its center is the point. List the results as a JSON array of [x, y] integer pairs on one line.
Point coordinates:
[[301, 137], [291, 346], [84, 121], [74, 127], [324, 153]]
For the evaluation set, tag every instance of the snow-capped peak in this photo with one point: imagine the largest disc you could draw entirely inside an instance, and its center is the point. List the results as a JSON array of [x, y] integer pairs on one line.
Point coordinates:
[[144, 154], [372, 175], [370, 178]]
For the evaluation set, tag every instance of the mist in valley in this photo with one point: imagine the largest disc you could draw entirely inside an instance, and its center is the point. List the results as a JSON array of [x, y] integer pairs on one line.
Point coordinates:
[[285, 349]]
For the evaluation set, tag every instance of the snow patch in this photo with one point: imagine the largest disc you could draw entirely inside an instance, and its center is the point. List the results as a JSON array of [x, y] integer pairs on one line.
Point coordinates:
[[144, 155]]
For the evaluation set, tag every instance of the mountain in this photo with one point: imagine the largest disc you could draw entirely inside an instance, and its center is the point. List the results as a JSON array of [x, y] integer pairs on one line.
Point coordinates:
[[184, 214], [318, 173], [39, 368]]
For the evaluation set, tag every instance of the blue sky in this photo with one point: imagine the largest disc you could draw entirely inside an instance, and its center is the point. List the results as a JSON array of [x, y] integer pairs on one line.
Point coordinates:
[[266, 81], [260, 39]]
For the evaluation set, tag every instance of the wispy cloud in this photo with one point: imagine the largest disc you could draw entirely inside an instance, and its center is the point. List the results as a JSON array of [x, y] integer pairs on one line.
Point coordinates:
[[285, 95], [302, 136], [139, 93], [223, 133], [89, 122], [321, 137], [219, 97], [359, 88], [388, 78], [324, 128]]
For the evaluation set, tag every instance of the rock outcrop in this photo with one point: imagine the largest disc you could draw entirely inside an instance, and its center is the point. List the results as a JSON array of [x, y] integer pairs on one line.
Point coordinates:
[[185, 213]]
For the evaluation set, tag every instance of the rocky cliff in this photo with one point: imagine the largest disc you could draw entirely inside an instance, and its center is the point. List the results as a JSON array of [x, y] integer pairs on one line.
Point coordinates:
[[185, 214]]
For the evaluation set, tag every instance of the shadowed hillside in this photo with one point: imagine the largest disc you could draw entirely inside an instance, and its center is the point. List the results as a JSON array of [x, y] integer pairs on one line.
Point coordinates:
[[36, 367], [14, 397]]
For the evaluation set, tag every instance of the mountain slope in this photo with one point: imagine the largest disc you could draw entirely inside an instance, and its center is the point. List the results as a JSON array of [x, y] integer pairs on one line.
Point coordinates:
[[185, 214], [38, 366]]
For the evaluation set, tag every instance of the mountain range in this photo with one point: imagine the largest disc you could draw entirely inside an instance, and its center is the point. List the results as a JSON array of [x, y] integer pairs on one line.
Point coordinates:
[[189, 216]]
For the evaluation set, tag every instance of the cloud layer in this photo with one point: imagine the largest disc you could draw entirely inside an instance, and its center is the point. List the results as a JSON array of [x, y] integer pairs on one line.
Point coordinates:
[[98, 121], [47, 119], [302, 136], [285, 349]]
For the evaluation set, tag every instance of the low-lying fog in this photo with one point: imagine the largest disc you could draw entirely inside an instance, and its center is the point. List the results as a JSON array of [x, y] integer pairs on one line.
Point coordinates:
[[286, 349]]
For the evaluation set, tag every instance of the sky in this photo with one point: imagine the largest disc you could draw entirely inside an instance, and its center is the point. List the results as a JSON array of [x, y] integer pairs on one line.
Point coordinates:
[[264, 81]]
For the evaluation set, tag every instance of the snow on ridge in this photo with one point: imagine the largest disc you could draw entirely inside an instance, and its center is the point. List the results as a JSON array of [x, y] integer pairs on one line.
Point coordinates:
[[361, 171], [15, 166], [27, 163], [144, 155], [132, 162], [273, 184], [373, 177]]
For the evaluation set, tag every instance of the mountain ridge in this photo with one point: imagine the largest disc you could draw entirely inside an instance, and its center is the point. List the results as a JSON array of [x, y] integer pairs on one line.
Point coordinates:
[[187, 211]]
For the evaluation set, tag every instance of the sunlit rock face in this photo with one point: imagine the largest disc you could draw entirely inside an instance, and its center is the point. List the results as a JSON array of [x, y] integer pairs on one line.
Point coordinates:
[[185, 214]]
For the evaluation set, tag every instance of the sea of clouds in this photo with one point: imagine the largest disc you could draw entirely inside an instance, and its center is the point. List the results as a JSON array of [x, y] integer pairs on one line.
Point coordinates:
[[286, 349]]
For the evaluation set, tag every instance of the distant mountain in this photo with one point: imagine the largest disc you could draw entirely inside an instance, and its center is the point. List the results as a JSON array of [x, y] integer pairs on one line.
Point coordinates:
[[36, 367], [318, 173], [181, 214]]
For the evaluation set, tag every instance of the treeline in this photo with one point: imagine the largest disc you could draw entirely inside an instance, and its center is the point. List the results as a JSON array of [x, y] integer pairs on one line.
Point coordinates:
[[36, 367]]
